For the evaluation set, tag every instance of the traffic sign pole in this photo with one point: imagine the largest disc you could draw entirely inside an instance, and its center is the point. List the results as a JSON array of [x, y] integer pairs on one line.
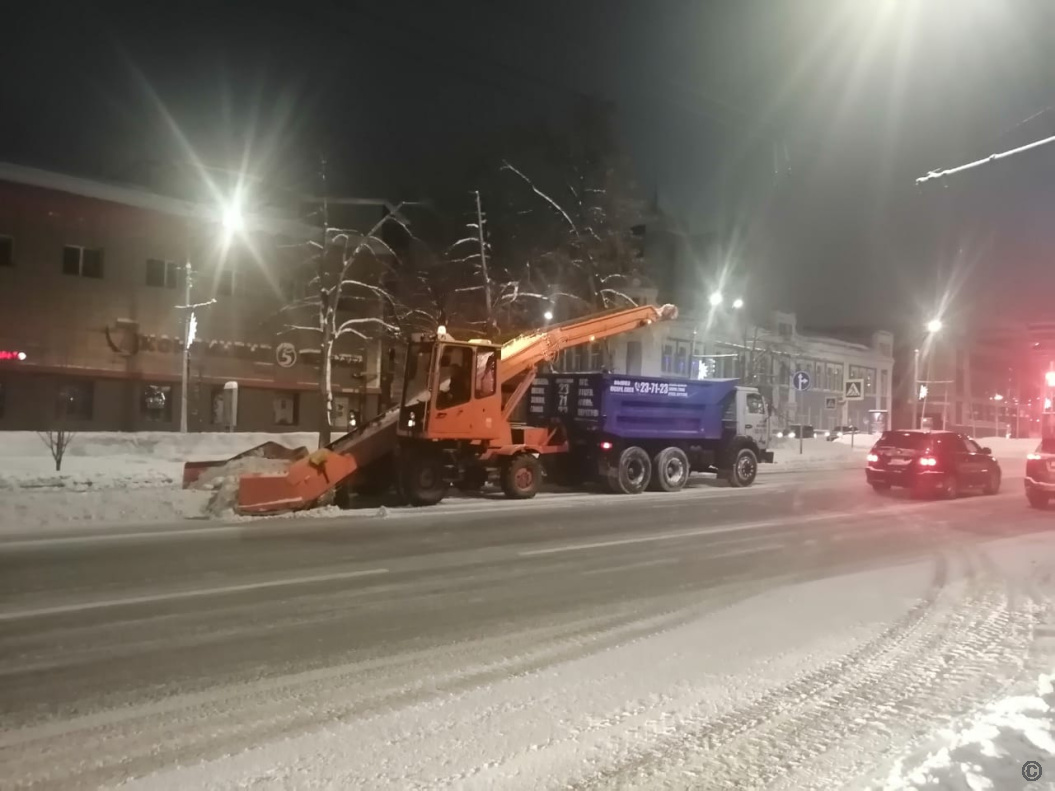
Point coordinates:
[[801, 381]]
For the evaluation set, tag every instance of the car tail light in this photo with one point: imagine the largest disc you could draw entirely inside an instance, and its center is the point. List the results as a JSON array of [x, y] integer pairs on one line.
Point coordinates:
[[928, 461], [606, 445]]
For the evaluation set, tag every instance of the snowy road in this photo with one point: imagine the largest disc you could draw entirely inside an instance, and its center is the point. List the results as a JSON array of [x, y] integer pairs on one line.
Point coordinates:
[[802, 634]]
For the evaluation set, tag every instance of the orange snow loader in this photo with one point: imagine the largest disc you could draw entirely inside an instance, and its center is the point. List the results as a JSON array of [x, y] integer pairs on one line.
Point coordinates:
[[453, 425], [193, 470]]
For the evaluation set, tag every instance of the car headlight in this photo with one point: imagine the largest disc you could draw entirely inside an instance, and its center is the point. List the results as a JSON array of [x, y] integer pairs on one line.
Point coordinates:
[[791, 435]]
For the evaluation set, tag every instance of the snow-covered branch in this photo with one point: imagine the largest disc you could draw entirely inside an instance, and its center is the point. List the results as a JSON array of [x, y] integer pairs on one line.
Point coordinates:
[[556, 206]]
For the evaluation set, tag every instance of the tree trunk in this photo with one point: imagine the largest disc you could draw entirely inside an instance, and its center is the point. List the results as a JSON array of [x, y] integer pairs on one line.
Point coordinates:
[[326, 385]]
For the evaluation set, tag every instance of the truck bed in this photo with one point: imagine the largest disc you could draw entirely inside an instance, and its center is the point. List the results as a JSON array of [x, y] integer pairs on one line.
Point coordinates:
[[632, 406]]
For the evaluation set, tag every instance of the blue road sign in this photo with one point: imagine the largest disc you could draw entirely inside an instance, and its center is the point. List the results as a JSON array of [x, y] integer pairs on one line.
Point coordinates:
[[800, 380]]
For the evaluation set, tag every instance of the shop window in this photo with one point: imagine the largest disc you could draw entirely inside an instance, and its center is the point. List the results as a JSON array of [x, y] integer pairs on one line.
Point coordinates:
[[75, 400], [286, 407], [163, 274], [155, 403], [82, 261]]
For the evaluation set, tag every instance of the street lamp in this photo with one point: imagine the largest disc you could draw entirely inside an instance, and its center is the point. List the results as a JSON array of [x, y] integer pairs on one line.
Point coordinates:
[[715, 299], [232, 217], [738, 303], [933, 327], [548, 315]]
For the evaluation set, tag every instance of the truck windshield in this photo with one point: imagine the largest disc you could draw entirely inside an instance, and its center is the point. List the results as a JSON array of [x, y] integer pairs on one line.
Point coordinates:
[[416, 386]]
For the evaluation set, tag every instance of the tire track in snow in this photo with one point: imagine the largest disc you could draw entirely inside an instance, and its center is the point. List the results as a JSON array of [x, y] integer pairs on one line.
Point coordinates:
[[926, 659]]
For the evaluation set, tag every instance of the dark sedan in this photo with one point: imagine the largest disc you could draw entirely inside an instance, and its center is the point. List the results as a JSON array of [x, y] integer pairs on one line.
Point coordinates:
[[932, 462], [1040, 474]]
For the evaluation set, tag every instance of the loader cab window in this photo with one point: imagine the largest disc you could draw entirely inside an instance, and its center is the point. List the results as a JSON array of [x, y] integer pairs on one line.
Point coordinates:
[[454, 383], [416, 383], [486, 372]]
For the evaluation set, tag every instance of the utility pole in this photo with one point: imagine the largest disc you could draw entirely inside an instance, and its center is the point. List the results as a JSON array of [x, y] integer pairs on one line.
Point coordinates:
[[190, 329], [915, 390]]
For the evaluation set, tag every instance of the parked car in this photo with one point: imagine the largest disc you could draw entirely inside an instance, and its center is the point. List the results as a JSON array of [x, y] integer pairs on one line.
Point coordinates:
[[840, 431], [939, 462], [794, 432], [1040, 473]]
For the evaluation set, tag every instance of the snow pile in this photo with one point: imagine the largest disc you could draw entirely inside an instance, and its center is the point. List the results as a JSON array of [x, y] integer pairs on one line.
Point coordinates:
[[990, 750], [223, 482], [122, 460], [817, 454]]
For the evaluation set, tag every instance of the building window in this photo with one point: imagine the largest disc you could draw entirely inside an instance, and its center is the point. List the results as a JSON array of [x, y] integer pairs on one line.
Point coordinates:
[[784, 330], [82, 261], [155, 403], [164, 274], [75, 400], [225, 282], [286, 407], [7, 251], [835, 377], [676, 357], [3, 398]]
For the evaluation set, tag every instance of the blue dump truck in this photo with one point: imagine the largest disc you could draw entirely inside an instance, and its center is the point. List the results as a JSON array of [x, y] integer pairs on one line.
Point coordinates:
[[631, 433]]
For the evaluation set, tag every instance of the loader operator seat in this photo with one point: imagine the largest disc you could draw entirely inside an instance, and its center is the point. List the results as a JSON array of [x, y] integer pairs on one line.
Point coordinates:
[[455, 382]]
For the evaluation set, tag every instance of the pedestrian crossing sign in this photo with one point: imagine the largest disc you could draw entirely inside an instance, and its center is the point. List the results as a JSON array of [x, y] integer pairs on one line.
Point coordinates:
[[855, 390]]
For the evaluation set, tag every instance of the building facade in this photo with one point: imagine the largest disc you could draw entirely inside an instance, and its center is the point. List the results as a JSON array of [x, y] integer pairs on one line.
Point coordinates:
[[723, 344], [93, 289]]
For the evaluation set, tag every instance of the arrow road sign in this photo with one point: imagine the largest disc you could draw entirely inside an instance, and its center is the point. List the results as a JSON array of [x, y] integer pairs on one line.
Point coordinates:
[[800, 380], [855, 390]]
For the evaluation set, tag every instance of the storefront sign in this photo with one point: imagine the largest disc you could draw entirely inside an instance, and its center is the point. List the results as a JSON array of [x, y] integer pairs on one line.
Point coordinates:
[[286, 355]]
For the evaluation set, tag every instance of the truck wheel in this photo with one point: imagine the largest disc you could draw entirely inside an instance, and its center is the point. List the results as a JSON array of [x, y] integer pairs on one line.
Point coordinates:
[[421, 478], [474, 479], [522, 477], [744, 469], [670, 470], [632, 473]]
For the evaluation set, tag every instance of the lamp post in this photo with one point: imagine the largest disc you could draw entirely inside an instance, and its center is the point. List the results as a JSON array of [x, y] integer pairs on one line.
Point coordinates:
[[233, 222], [933, 327]]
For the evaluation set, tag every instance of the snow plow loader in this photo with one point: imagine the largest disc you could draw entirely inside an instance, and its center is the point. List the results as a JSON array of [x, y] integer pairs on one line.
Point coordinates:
[[453, 425]]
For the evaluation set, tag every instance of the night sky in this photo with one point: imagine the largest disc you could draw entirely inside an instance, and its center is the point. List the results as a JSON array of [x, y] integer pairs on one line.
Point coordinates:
[[793, 129]]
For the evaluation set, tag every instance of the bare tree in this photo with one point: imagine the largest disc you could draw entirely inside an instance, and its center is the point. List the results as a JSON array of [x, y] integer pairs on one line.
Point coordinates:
[[346, 297], [58, 437]]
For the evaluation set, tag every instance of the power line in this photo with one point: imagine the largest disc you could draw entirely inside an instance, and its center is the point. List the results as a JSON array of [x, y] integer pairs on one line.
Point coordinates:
[[938, 174]]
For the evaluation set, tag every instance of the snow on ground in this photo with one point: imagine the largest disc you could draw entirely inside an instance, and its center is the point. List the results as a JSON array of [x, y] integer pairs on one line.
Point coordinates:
[[752, 695]]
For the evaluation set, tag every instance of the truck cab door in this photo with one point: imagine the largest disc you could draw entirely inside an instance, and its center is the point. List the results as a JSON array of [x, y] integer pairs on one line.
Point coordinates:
[[752, 417], [466, 404]]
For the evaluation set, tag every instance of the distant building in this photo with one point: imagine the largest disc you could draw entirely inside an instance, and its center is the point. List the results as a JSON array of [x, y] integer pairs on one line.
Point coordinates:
[[91, 277], [767, 356]]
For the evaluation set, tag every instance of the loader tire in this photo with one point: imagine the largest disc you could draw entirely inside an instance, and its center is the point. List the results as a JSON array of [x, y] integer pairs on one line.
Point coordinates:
[[421, 478], [522, 477]]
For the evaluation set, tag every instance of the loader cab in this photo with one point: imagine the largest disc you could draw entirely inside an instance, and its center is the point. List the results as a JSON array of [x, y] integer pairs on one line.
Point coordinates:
[[450, 391]]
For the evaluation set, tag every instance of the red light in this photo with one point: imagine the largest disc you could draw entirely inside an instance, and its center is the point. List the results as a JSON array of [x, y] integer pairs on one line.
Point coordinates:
[[9, 355], [873, 457], [606, 445], [928, 461]]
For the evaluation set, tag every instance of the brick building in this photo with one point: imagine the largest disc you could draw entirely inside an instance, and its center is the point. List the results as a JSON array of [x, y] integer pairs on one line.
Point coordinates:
[[91, 279]]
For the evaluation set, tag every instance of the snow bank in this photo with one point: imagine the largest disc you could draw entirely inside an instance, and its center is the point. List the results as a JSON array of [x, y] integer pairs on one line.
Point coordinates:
[[817, 454], [122, 460], [989, 750]]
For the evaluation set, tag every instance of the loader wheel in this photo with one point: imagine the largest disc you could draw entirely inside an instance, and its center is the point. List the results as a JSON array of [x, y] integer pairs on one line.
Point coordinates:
[[744, 469], [421, 479], [522, 477], [474, 479], [670, 470], [632, 473]]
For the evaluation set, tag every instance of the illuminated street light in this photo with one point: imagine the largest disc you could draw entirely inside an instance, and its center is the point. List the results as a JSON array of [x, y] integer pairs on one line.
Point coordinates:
[[998, 397], [933, 326], [738, 303], [233, 219], [716, 299], [548, 315], [1049, 378]]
